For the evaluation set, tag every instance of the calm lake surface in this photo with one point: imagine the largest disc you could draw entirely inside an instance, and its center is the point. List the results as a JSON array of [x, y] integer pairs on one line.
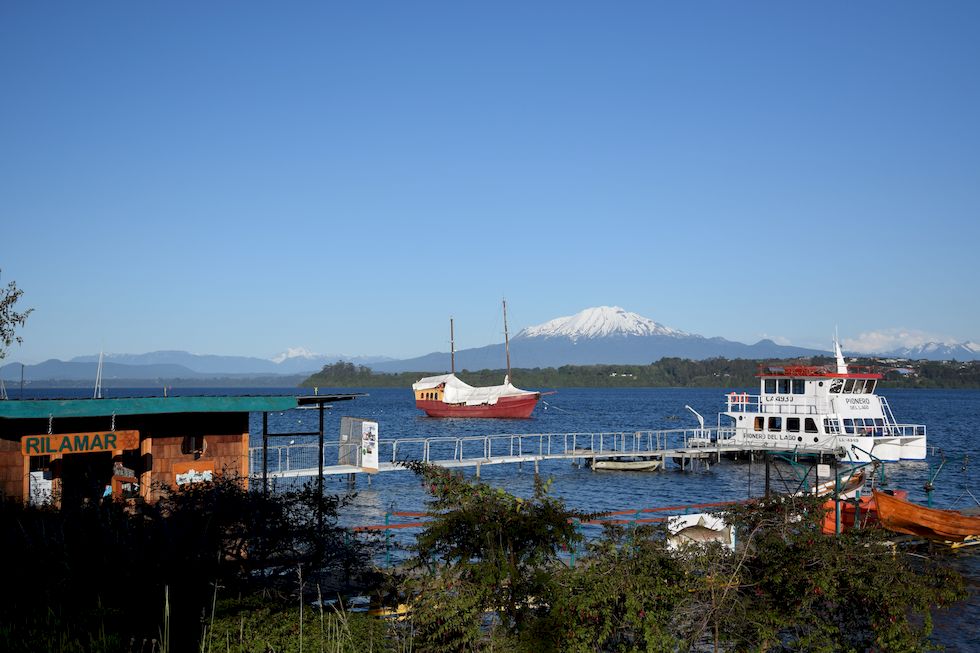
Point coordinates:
[[950, 415]]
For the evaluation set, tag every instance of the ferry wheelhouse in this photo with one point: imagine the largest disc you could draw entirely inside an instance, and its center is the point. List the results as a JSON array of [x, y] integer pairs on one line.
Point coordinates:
[[830, 408]]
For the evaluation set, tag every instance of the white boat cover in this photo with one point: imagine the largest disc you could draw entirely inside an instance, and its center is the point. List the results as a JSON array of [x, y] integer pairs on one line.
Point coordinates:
[[457, 392]]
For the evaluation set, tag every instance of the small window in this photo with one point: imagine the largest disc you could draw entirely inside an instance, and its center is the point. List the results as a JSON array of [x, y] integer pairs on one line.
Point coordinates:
[[810, 426], [831, 425], [775, 423], [799, 386], [848, 386], [858, 386], [836, 385], [849, 426], [784, 386], [759, 422], [869, 386], [770, 386], [879, 426], [793, 424]]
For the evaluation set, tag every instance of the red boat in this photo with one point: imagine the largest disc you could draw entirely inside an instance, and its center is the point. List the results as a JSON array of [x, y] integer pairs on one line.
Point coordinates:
[[446, 396]]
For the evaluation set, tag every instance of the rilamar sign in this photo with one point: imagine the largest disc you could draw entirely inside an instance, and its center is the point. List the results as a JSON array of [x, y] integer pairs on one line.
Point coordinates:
[[65, 443]]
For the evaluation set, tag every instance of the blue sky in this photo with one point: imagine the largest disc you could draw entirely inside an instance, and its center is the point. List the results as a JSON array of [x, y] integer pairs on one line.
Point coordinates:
[[240, 178]]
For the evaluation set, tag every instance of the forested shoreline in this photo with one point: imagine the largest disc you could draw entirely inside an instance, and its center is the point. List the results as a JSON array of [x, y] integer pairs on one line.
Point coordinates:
[[665, 373]]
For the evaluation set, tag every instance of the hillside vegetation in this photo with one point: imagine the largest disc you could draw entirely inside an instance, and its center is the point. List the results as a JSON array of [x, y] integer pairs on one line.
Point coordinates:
[[667, 372]]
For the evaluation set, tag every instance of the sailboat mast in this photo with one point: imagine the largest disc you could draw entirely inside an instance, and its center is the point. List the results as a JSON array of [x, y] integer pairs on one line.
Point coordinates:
[[452, 347], [506, 341], [98, 380]]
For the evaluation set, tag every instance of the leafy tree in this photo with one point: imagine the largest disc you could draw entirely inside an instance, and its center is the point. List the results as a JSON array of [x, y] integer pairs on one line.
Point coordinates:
[[494, 581], [623, 596], [798, 589], [490, 559], [9, 318]]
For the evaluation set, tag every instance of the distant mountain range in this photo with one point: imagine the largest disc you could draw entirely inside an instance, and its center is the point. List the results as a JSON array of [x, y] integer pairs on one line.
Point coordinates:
[[178, 365], [601, 335], [606, 334], [962, 351]]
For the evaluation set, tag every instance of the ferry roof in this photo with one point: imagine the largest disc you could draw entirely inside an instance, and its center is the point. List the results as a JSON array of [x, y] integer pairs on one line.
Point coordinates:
[[814, 371], [57, 408]]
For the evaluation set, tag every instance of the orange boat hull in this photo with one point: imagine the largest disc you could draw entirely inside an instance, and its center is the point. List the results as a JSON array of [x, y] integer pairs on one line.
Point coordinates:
[[849, 513], [519, 407], [902, 516]]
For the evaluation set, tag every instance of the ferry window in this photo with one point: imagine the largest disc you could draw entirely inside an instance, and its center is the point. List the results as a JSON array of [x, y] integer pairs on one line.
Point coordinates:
[[759, 422], [775, 423], [879, 426], [798, 386], [793, 424], [770, 386], [810, 426], [848, 425], [858, 386], [836, 385], [784, 386], [831, 425], [848, 386], [869, 386]]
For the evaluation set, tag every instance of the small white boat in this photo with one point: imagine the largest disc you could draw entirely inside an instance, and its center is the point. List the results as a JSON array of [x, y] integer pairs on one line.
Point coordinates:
[[848, 488], [650, 465]]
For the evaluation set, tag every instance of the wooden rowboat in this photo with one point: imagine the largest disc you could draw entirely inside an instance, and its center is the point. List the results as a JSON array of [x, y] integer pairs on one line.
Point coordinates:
[[902, 516]]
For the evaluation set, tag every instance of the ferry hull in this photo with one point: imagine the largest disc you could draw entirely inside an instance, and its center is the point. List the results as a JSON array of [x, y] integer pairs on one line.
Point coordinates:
[[519, 407]]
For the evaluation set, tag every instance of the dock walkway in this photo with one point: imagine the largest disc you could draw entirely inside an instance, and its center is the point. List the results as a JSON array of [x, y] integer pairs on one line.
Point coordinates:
[[681, 445]]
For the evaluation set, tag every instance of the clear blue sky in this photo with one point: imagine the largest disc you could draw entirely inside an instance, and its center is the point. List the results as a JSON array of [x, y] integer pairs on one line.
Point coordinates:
[[239, 178]]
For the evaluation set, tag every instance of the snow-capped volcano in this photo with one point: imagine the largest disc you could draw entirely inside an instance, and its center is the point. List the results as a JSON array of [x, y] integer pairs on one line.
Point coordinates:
[[600, 335], [294, 352], [599, 322]]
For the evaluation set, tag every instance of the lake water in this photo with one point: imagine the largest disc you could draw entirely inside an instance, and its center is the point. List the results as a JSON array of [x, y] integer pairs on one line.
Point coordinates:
[[950, 416]]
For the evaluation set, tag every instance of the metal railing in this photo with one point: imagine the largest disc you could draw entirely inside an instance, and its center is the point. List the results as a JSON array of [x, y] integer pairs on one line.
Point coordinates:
[[497, 448]]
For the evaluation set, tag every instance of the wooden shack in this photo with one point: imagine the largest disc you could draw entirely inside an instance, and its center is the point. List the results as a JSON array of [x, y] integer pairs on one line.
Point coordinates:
[[76, 450]]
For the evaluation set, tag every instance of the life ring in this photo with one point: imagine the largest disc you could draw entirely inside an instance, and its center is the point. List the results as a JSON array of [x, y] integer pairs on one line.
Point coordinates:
[[744, 398]]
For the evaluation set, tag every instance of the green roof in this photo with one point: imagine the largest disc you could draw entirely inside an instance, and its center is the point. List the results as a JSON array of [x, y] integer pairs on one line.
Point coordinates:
[[44, 408]]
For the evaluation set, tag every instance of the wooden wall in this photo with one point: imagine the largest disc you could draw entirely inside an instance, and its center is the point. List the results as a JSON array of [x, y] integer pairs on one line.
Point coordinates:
[[227, 452], [13, 482]]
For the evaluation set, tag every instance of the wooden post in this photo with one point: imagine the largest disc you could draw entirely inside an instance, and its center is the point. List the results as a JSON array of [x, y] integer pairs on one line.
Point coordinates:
[[146, 476], [766, 495]]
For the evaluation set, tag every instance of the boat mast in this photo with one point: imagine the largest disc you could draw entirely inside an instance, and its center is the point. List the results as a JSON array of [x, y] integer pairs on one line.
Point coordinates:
[[98, 380], [452, 347], [506, 341], [839, 355]]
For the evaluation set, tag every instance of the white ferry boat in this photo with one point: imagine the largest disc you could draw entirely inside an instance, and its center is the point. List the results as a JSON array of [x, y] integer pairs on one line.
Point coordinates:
[[821, 408]]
